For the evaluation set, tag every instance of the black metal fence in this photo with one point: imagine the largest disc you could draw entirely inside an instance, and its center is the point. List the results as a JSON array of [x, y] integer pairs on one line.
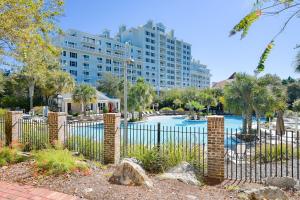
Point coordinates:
[[252, 157], [2, 131], [33, 134], [85, 138], [249, 157], [174, 143]]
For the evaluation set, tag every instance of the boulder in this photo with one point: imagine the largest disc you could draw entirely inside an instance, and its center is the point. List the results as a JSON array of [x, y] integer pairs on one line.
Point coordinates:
[[270, 193], [281, 182], [183, 172], [130, 173]]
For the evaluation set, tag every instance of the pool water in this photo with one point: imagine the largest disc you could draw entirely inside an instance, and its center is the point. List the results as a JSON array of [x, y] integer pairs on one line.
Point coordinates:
[[231, 122]]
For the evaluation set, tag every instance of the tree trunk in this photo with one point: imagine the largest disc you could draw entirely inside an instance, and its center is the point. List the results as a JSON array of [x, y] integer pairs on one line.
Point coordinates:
[[140, 115], [83, 110], [280, 123], [244, 124], [31, 94], [296, 123], [249, 122], [258, 122], [132, 115]]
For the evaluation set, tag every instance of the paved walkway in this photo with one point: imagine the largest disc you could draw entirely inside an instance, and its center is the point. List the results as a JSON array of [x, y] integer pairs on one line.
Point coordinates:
[[12, 191]]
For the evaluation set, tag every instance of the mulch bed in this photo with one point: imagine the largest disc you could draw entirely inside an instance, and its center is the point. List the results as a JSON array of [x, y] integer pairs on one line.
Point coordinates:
[[95, 185]]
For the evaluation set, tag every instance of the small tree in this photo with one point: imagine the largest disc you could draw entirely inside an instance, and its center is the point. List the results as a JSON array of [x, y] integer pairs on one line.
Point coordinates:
[[84, 94], [110, 85], [140, 96], [177, 103], [296, 107]]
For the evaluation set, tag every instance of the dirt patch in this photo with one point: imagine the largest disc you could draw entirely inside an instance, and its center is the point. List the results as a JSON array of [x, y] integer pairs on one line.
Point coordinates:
[[96, 186]]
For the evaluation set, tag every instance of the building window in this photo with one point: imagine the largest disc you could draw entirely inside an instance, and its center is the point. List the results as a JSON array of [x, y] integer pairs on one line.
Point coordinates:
[[86, 65], [108, 61], [108, 69], [86, 73], [86, 57], [73, 72], [99, 60], [64, 53], [73, 55], [73, 63]]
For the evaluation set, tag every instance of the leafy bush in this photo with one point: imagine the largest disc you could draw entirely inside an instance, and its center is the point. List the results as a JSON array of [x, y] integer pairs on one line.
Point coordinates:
[[155, 161], [3, 112], [10, 156], [105, 109], [34, 136], [166, 109], [58, 161], [267, 153], [88, 147], [75, 114], [180, 110], [38, 110]]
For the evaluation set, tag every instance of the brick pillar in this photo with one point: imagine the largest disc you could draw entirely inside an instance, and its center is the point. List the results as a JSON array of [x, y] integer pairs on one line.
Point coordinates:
[[56, 121], [112, 138], [215, 148], [12, 127]]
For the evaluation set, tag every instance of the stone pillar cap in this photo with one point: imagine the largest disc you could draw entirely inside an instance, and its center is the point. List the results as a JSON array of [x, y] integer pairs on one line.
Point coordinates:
[[115, 114], [215, 116]]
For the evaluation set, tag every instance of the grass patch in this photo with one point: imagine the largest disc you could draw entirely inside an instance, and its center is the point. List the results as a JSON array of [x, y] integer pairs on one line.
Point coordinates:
[[10, 156], [58, 161], [268, 152], [34, 136], [232, 188], [86, 146], [156, 160]]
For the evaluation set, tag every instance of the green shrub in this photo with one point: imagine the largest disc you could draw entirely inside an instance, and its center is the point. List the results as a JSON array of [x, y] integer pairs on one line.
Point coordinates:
[[105, 109], [267, 153], [155, 161], [166, 109], [75, 114], [38, 110], [180, 110], [3, 112], [88, 147], [34, 136], [58, 161], [10, 156]]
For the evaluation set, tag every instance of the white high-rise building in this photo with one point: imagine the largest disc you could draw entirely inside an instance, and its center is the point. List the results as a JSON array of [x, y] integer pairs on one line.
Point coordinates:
[[159, 57]]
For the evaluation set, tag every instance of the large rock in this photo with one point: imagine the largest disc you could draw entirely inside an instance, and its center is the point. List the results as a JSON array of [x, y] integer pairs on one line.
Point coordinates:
[[183, 172], [281, 182], [270, 193], [130, 173]]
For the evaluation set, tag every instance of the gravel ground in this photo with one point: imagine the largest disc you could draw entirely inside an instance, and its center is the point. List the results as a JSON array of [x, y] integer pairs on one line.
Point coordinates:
[[95, 185]]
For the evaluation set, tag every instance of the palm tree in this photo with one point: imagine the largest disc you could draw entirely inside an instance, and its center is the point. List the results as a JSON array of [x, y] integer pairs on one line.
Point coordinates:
[[140, 96], [263, 102], [207, 98], [296, 107], [239, 98], [177, 103], [84, 94], [279, 94], [57, 82]]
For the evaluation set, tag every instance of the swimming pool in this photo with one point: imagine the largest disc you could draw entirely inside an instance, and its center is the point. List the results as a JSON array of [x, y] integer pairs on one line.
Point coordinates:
[[231, 122]]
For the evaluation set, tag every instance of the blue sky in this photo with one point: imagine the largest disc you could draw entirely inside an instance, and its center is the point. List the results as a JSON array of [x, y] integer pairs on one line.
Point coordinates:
[[204, 24]]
